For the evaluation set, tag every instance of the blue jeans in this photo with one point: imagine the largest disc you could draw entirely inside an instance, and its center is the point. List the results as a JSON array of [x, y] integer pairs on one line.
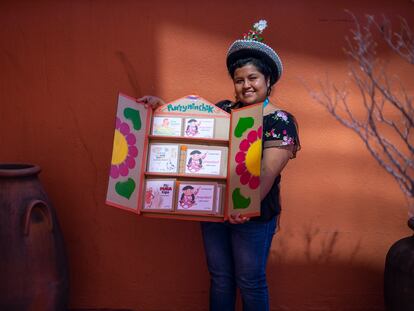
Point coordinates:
[[236, 257]]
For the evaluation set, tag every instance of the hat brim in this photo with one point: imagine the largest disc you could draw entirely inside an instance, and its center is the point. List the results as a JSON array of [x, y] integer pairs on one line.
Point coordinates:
[[248, 48]]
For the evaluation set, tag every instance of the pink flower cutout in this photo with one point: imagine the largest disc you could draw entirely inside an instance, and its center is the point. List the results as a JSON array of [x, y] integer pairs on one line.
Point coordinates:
[[124, 150], [248, 159]]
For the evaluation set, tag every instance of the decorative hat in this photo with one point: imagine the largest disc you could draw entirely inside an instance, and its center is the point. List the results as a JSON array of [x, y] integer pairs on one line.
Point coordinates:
[[252, 46]]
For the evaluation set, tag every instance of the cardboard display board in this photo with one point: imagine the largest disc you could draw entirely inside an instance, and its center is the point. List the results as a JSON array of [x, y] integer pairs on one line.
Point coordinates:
[[188, 159], [245, 160], [200, 118], [128, 154]]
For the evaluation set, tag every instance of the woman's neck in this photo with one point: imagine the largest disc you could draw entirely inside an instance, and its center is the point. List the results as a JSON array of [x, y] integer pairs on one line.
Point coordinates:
[[269, 108]]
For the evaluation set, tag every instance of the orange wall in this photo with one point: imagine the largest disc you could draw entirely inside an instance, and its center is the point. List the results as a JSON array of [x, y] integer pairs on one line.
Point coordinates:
[[62, 64]]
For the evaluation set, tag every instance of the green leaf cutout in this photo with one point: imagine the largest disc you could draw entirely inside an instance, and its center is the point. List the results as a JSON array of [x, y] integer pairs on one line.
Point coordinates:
[[243, 125], [134, 116], [125, 188], [239, 201]]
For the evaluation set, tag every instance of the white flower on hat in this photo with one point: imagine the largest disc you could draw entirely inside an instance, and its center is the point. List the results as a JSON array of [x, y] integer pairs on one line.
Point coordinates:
[[260, 26], [254, 34]]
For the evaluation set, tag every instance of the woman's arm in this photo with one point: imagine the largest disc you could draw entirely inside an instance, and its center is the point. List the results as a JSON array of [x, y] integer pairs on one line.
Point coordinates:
[[273, 162]]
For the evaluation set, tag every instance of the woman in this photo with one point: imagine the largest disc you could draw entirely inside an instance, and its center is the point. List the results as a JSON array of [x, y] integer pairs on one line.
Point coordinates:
[[237, 250]]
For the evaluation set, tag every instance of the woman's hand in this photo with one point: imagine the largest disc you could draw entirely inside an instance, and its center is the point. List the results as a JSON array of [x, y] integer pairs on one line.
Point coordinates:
[[237, 219], [151, 101]]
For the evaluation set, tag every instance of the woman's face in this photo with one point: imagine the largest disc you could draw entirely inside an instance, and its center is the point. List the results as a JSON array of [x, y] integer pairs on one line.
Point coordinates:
[[250, 85]]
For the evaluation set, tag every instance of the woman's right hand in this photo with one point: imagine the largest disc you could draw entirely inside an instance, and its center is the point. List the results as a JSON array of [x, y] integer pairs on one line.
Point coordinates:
[[151, 101], [237, 219]]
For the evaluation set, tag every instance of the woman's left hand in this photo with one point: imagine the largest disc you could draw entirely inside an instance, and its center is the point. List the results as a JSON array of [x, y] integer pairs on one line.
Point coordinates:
[[151, 101], [237, 219]]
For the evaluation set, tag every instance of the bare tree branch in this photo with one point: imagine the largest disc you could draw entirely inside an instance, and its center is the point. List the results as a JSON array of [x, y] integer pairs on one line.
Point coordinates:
[[388, 120]]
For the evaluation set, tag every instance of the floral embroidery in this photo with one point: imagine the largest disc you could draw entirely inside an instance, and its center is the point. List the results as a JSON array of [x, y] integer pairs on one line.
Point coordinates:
[[272, 133], [281, 115], [281, 133], [287, 140]]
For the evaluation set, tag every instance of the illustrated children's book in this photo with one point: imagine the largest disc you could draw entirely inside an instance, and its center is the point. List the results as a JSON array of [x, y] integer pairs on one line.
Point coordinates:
[[159, 194], [163, 158], [166, 126], [199, 127], [203, 161], [195, 196]]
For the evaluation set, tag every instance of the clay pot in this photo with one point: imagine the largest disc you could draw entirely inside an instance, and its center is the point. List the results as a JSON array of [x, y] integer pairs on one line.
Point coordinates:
[[33, 265], [399, 274]]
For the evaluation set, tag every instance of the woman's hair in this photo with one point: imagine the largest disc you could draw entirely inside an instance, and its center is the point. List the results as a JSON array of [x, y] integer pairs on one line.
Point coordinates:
[[261, 66]]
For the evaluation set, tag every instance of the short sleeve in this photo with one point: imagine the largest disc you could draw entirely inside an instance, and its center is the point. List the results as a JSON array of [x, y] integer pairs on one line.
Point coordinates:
[[281, 131], [225, 105]]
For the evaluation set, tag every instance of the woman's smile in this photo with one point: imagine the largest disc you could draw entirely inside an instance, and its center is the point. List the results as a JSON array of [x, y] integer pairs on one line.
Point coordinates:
[[250, 85]]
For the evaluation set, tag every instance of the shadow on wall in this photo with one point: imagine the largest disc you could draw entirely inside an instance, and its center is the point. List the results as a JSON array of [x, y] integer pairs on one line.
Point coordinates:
[[318, 276], [130, 72], [338, 286]]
